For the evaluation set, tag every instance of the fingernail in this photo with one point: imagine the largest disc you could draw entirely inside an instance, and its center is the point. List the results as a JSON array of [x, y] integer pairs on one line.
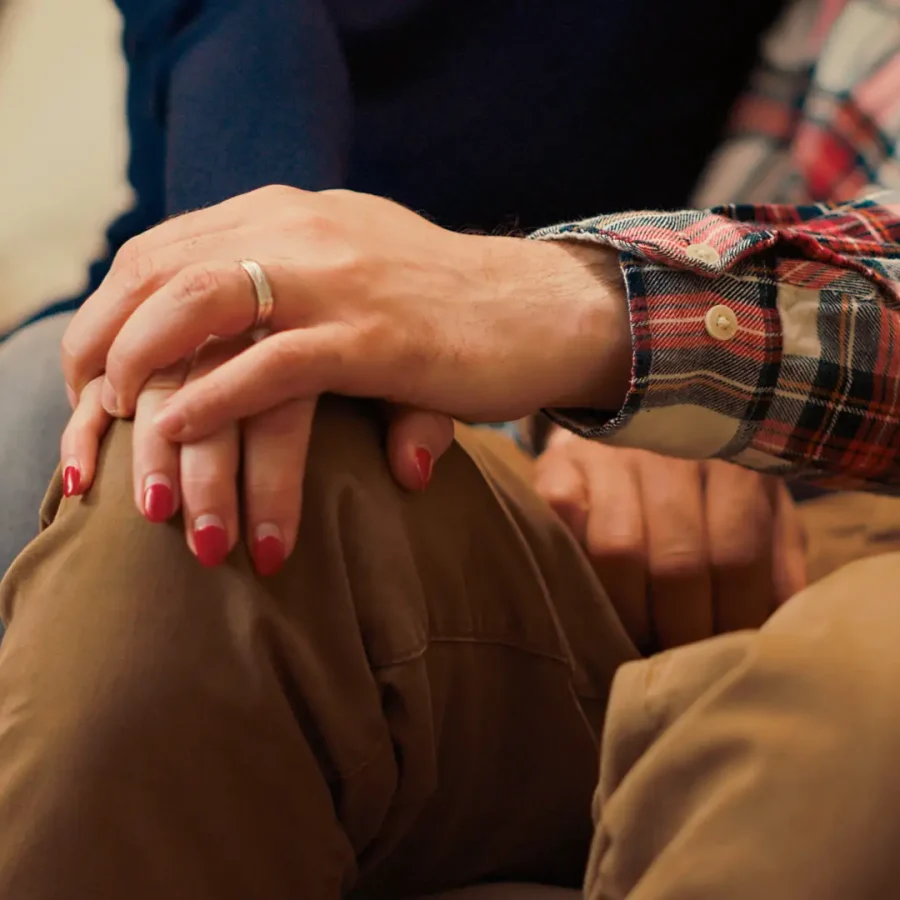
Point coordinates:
[[71, 479], [268, 549], [210, 540], [424, 465], [159, 501], [108, 399], [170, 422]]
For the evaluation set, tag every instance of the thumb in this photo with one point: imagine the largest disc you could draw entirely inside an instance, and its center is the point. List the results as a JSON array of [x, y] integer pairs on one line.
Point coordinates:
[[416, 440]]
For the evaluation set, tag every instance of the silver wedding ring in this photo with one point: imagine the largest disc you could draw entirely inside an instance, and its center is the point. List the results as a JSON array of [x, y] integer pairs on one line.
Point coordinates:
[[265, 300]]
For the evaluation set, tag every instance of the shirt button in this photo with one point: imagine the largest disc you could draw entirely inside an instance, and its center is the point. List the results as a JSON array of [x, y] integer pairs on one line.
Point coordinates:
[[721, 323], [704, 253]]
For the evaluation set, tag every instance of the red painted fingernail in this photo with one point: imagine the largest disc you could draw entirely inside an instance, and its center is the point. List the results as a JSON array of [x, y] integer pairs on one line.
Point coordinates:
[[424, 464], [71, 480], [159, 501], [210, 540], [268, 550]]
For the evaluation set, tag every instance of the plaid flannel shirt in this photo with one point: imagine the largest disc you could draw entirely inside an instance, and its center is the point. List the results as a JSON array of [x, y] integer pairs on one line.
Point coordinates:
[[768, 333]]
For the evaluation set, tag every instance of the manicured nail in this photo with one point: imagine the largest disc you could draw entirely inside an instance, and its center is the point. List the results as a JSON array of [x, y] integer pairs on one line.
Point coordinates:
[[268, 549], [424, 465], [71, 479], [170, 422], [108, 399], [210, 540], [159, 501]]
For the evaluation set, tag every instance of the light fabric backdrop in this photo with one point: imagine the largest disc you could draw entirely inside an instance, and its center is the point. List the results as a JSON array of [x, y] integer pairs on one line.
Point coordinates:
[[63, 145]]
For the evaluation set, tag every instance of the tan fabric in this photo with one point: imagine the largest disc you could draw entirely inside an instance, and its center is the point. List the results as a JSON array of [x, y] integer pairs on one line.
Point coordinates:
[[415, 704], [761, 765], [412, 705]]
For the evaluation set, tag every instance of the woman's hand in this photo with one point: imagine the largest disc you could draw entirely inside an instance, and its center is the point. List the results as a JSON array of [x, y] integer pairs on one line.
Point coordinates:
[[371, 300], [684, 549], [202, 477]]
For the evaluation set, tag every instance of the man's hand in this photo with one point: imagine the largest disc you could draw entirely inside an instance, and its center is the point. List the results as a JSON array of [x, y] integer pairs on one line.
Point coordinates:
[[371, 300], [685, 549]]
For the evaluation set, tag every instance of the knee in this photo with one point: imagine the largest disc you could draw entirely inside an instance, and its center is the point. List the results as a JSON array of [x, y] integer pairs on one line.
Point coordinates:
[[832, 655], [119, 606], [348, 442]]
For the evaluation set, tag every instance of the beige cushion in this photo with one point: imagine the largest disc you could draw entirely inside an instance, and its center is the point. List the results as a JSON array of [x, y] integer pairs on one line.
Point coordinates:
[[63, 148]]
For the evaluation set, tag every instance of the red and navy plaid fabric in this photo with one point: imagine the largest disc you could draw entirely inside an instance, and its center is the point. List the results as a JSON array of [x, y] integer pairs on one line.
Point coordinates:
[[809, 382]]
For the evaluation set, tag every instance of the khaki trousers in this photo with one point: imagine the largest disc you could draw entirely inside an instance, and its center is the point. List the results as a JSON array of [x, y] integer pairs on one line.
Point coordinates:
[[420, 701]]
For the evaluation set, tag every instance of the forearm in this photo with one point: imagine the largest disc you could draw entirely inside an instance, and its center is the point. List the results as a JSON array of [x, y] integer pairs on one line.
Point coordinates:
[[768, 337]]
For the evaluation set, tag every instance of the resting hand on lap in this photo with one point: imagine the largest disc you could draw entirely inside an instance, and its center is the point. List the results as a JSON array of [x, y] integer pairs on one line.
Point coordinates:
[[684, 549], [263, 455]]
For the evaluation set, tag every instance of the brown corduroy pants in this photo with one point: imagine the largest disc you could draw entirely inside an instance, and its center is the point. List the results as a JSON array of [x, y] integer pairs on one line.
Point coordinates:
[[423, 698]]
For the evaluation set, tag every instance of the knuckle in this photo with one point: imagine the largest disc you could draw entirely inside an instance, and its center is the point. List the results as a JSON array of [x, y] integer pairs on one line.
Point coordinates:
[[206, 476], [316, 223], [623, 544], [679, 560], [118, 363], [133, 268], [744, 537], [196, 285], [296, 368], [280, 425], [282, 351], [744, 552], [275, 192], [339, 193], [563, 501], [286, 356]]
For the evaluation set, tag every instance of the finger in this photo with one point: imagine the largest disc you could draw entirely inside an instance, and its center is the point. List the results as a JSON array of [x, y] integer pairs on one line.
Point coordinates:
[[209, 469], [563, 485], [209, 494], [302, 363], [214, 299], [740, 524], [155, 460], [789, 545], [141, 266], [275, 445], [677, 559], [80, 441], [617, 539], [416, 439]]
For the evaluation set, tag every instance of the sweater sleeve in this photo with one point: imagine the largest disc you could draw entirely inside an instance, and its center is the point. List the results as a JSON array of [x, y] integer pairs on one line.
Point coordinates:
[[225, 96], [252, 92]]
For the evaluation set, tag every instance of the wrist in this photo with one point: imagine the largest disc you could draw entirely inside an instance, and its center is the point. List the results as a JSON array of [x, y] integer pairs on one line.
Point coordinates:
[[593, 329]]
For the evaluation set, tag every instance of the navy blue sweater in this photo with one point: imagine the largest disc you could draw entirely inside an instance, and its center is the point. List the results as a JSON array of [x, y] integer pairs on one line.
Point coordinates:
[[481, 113]]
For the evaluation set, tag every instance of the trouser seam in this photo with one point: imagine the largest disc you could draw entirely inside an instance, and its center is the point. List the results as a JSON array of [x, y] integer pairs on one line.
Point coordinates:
[[419, 652]]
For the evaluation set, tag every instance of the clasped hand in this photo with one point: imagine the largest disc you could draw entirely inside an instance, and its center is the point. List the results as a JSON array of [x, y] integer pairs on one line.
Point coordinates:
[[374, 301]]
